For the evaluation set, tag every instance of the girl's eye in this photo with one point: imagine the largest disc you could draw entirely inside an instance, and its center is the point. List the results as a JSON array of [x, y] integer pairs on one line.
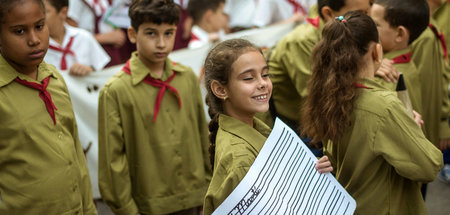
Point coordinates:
[[39, 26], [266, 75], [248, 78], [19, 31]]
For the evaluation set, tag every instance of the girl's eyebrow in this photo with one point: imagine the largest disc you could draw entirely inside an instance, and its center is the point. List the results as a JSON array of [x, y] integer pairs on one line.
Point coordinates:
[[21, 25]]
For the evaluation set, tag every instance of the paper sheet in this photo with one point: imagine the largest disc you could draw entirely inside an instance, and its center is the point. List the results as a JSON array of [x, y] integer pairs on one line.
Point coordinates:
[[283, 180]]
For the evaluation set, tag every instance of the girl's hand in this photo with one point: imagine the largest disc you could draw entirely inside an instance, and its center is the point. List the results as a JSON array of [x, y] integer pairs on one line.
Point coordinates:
[[418, 118], [387, 71], [324, 165]]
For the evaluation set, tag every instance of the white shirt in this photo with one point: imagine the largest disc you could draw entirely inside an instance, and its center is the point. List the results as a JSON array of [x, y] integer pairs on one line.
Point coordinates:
[[271, 11], [200, 37], [241, 12], [86, 49], [81, 11]]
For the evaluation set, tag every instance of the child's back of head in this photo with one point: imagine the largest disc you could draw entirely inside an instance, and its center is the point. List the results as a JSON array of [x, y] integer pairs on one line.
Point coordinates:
[[198, 8], [414, 15], [154, 11]]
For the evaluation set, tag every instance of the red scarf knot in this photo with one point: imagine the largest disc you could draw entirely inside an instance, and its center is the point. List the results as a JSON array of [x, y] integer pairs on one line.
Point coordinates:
[[404, 58], [43, 93], [162, 85], [314, 22], [441, 38], [66, 50]]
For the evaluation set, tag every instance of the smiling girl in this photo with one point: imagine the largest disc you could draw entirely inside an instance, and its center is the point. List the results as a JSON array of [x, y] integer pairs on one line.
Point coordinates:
[[238, 84]]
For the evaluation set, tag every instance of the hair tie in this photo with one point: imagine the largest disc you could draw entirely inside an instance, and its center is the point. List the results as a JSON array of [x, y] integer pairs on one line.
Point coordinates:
[[341, 19]]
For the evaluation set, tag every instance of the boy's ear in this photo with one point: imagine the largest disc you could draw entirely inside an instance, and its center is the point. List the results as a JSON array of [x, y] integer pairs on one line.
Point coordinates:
[[63, 12], [219, 90], [132, 34], [327, 13], [402, 34]]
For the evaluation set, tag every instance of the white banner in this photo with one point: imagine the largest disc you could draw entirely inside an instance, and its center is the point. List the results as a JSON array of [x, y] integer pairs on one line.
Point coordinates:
[[84, 91], [283, 180]]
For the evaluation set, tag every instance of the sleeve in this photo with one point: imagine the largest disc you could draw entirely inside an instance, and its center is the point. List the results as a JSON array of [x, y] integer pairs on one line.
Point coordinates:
[[293, 58], [403, 145], [444, 128], [85, 185], [99, 58], [203, 128], [113, 175], [214, 199]]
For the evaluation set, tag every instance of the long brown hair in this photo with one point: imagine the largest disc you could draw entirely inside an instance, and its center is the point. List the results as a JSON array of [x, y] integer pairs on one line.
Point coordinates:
[[337, 59], [218, 66]]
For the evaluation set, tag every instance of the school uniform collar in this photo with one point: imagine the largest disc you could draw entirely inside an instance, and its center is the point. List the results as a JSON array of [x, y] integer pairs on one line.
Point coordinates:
[[139, 70], [256, 136], [70, 32], [317, 23], [372, 84], [394, 55], [8, 73], [199, 34]]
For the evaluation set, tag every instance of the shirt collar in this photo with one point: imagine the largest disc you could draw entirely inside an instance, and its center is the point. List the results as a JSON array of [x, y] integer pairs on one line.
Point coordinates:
[[139, 70], [70, 32], [8, 73], [395, 54], [200, 33], [256, 136], [372, 84]]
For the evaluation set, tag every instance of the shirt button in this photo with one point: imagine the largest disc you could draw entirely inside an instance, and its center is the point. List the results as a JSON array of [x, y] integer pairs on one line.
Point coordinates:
[[74, 188], [60, 135]]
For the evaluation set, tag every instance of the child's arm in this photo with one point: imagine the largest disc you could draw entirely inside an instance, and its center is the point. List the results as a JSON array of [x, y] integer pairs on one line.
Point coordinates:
[[80, 70], [323, 165], [113, 174]]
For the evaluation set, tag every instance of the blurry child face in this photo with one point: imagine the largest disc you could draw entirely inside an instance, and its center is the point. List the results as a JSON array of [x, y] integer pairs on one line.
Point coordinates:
[[249, 87], [24, 35], [219, 19], [154, 42], [386, 33], [53, 17], [351, 5]]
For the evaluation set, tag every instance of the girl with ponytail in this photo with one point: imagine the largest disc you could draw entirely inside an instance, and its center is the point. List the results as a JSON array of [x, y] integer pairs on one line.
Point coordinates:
[[379, 152], [238, 85]]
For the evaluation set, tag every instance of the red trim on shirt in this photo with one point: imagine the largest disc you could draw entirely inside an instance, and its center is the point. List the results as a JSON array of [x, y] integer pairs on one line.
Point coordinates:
[[359, 85], [441, 38], [404, 58]]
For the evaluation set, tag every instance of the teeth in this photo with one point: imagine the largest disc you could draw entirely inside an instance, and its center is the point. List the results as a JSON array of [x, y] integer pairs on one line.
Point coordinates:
[[261, 97]]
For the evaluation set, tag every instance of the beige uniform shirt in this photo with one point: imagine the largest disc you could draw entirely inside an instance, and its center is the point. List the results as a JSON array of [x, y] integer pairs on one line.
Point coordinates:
[[42, 165], [290, 68], [427, 55], [152, 167], [383, 156], [237, 145]]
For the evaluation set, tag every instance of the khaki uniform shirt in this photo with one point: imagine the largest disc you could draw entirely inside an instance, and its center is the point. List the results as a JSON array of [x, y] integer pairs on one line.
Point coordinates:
[[442, 17], [42, 165], [152, 167], [427, 55], [290, 69], [412, 79], [237, 145], [383, 156]]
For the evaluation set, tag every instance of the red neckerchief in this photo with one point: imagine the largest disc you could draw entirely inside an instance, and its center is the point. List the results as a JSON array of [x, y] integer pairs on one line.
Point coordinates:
[[314, 22], [98, 10], [193, 37], [297, 6], [359, 85], [66, 50], [441, 38], [162, 85], [404, 58], [43, 93]]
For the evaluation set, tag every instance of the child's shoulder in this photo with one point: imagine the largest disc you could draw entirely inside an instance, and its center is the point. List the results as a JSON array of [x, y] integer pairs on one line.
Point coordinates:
[[377, 100], [78, 32]]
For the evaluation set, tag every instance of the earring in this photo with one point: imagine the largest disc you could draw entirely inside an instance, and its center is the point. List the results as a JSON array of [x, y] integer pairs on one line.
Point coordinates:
[[225, 98]]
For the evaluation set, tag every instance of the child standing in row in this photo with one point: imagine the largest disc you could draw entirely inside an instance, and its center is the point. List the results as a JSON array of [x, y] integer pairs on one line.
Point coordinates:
[[379, 152], [238, 84], [153, 143], [72, 49], [42, 165]]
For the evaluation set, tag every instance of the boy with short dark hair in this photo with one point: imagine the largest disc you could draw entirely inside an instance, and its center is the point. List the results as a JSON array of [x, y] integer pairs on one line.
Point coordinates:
[[153, 143], [399, 23], [209, 21]]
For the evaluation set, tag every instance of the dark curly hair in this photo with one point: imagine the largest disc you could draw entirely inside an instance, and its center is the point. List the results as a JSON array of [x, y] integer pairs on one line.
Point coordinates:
[[154, 11]]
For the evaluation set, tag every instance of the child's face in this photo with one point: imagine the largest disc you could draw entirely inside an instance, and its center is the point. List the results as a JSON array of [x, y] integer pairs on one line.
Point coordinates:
[[153, 42], [386, 33], [53, 17], [219, 19], [24, 35], [249, 87]]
